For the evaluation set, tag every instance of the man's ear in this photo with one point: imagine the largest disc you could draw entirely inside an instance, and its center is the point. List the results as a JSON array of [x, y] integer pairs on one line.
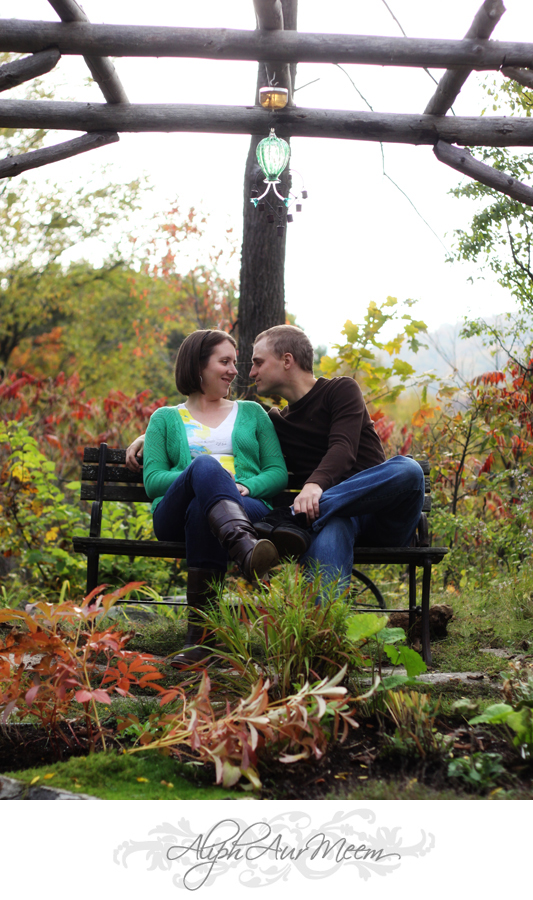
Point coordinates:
[[288, 360]]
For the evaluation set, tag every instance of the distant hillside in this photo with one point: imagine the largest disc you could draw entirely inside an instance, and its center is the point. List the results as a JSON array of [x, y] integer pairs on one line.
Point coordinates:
[[447, 352]]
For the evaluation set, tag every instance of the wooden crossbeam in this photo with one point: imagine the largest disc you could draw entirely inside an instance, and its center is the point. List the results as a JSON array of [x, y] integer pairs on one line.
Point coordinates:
[[449, 86], [76, 38], [14, 73], [15, 165], [490, 131], [463, 161], [101, 68]]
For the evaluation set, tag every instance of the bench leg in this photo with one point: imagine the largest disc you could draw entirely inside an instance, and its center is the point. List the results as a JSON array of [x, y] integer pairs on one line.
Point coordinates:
[[426, 586], [93, 559], [412, 595]]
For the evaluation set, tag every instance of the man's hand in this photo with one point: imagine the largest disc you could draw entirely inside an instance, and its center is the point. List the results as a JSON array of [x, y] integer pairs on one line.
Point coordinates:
[[307, 501], [134, 454]]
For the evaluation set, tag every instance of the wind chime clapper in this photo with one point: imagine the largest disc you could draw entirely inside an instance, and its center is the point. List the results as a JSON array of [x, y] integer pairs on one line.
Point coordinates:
[[273, 154]]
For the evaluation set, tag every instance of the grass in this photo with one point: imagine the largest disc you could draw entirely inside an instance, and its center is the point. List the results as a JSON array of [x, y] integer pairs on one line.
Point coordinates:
[[118, 776]]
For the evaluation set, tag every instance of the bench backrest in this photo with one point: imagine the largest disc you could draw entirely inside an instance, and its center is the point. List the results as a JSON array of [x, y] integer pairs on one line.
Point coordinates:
[[113, 481]]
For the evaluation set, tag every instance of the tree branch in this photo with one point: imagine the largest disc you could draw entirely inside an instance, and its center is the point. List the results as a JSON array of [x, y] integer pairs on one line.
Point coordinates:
[[463, 161], [14, 73], [14, 165], [485, 21]]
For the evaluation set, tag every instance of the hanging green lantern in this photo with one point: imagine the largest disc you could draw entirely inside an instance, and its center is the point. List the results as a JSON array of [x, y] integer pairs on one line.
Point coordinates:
[[273, 155]]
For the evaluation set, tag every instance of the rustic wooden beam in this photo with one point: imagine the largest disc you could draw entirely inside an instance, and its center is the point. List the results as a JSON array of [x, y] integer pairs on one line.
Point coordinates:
[[14, 165], [449, 86], [22, 70], [461, 159], [22, 36], [490, 131], [101, 68], [522, 76]]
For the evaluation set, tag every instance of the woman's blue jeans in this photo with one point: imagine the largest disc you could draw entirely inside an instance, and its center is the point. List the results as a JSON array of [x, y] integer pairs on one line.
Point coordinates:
[[379, 507], [182, 513]]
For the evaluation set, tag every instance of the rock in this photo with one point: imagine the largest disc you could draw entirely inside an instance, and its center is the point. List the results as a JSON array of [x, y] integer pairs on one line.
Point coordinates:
[[439, 616], [11, 789]]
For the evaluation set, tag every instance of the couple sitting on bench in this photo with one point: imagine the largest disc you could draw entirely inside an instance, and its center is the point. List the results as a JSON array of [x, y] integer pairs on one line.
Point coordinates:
[[210, 466]]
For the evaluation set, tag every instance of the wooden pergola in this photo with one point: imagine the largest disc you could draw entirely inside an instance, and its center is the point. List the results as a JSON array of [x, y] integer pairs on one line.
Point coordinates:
[[278, 49]]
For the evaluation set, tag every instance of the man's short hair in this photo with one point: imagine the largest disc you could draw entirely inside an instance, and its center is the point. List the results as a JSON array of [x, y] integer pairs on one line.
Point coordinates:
[[289, 339], [193, 356]]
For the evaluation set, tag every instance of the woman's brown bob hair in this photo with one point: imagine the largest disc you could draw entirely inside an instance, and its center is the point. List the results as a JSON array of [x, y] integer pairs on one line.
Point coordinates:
[[193, 356]]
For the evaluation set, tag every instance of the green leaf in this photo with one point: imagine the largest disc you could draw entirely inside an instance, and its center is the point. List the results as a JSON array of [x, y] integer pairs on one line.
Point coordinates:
[[493, 715], [364, 625], [404, 656]]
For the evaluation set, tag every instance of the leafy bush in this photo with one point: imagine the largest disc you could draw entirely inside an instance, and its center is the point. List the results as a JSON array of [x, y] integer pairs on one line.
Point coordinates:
[[516, 716], [481, 771], [59, 656], [294, 728]]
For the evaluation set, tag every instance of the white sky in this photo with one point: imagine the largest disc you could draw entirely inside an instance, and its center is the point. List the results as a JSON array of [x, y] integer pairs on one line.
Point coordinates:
[[358, 238]]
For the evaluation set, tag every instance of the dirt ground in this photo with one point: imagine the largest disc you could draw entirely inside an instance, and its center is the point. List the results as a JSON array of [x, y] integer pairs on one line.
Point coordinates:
[[366, 755]]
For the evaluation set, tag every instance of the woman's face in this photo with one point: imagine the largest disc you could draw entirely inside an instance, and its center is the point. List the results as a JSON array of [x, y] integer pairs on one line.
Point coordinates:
[[220, 370]]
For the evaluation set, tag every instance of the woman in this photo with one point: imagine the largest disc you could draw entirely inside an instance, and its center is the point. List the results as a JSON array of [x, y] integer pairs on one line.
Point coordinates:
[[209, 465]]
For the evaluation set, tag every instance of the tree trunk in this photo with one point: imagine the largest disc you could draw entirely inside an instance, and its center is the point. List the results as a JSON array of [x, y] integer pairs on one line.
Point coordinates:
[[262, 279]]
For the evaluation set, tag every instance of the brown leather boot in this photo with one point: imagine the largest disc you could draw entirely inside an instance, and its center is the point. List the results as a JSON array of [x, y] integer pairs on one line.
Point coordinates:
[[230, 524], [202, 591]]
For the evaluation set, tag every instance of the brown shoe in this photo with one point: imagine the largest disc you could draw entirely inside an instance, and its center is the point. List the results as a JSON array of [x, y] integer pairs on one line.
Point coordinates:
[[230, 524], [202, 591]]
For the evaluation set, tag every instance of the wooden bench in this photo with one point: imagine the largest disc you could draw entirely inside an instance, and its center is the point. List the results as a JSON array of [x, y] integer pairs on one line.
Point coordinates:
[[106, 478]]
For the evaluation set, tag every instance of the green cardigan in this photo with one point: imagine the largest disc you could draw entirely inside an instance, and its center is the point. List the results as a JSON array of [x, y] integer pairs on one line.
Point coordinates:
[[259, 463]]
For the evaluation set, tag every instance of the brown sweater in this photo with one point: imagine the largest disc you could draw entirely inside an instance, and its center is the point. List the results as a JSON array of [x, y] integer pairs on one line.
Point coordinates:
[[328, 435]]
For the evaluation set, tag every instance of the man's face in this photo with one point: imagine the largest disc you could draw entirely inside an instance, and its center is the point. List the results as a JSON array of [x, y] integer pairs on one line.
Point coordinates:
[[267, 370]]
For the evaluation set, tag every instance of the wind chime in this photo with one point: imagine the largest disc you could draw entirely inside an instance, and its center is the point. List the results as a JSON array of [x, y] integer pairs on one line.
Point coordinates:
[[273, 154]]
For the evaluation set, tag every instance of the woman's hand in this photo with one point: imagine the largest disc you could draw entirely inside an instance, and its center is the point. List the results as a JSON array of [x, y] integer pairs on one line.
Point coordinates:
[[134, 454], [243, 491]]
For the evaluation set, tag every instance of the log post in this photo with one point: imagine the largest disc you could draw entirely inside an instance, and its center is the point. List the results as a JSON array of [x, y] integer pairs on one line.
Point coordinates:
[[262, 275], [14, 73], [449, 86], [101, 68], [461, 159]]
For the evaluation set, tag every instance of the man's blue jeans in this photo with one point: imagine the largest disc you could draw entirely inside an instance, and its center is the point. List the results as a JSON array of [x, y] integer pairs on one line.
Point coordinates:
[[379, 507], [182, 513]]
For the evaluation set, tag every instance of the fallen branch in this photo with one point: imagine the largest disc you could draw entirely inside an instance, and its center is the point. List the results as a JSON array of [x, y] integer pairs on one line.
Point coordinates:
[[461, 159], [522, 76], [14, 165], [14, 73]]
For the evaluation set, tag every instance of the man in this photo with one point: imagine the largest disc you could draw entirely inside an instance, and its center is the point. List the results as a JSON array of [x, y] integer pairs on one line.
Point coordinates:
[[351, 493]]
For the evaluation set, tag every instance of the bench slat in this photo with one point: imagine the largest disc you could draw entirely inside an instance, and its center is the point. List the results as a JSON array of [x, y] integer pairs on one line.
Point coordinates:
[[128, 493], [112, 473], [122, 547], [171, 550]]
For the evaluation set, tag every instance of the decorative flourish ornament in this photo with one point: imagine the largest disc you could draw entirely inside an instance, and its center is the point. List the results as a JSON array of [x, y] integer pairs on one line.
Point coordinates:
[[273, 154]]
